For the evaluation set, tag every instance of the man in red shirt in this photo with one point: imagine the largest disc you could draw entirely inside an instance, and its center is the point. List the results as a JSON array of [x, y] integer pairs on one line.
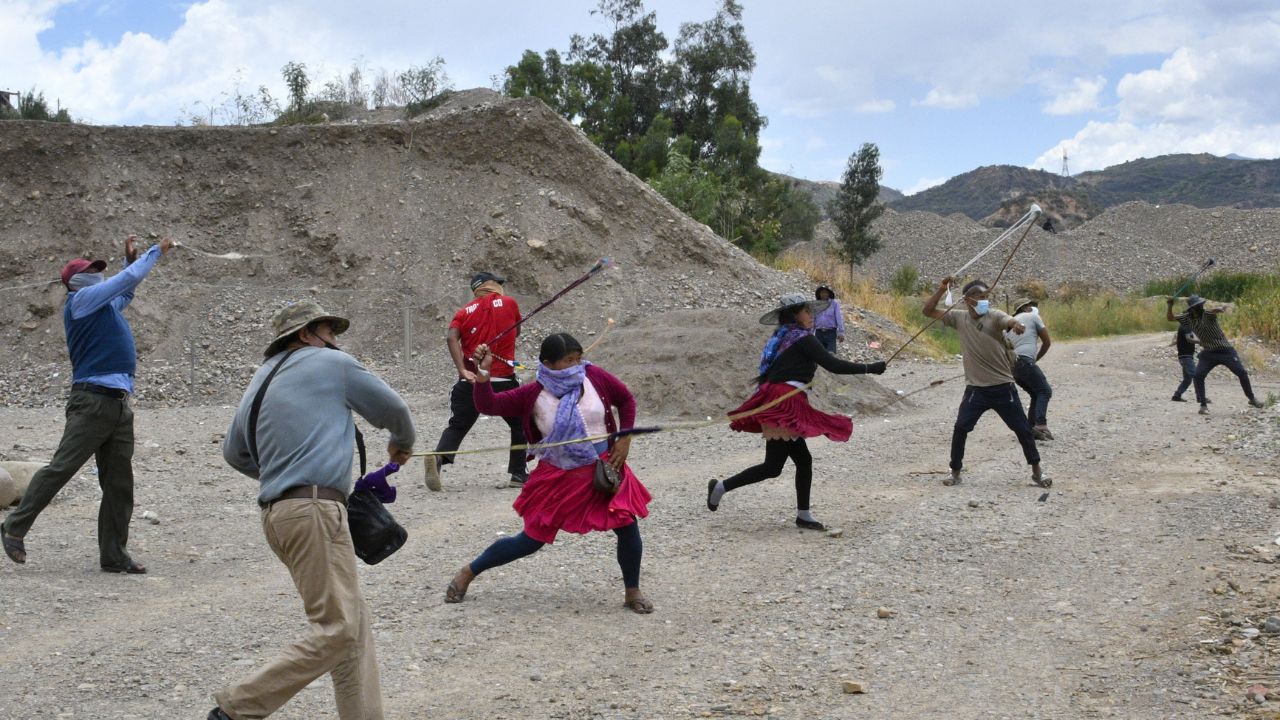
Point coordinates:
[[478, 322]]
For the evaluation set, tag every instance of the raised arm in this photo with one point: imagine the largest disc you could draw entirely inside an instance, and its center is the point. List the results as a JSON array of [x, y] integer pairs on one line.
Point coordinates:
[[931, 305]]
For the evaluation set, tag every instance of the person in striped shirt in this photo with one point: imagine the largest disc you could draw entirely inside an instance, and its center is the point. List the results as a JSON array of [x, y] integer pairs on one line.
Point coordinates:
[[1216, 349]]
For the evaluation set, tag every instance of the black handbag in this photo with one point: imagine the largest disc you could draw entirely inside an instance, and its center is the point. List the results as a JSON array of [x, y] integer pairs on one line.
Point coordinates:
[[606, 480], [375, 534]]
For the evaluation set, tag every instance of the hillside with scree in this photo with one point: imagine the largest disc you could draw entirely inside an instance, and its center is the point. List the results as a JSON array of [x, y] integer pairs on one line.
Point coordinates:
[[1121, 249], [384, 223]]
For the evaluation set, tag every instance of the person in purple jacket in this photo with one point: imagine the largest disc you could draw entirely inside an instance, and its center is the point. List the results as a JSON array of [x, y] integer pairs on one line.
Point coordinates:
[[828, 325], [99, 419], [570, 398]]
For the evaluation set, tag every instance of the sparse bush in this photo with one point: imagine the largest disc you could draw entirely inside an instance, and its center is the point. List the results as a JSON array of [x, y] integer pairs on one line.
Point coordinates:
[[33, 106], [905, 281], [1034, 289], [1074, 290]]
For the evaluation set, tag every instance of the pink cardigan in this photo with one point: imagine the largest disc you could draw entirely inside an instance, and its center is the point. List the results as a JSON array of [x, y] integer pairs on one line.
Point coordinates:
[[519, 402]]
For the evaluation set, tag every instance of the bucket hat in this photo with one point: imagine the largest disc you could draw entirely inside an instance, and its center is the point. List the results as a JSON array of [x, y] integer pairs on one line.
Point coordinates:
[[79, 265], [1023, 302], [1194, 301], [793, 300], [817, 294], [291, 318]]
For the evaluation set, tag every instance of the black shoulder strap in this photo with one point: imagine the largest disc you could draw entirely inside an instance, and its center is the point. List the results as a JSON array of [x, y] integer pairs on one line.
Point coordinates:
[[257, 405]]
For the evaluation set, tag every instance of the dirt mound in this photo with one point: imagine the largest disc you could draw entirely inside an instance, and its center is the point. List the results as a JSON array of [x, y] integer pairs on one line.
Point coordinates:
[[702, 363], [1121, 249], [384, 223]]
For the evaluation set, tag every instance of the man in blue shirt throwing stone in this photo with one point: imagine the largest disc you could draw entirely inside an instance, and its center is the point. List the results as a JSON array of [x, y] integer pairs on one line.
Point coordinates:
[[99, 419]]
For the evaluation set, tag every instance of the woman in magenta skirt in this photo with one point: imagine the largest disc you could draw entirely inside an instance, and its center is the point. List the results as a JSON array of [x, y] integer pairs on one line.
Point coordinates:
[[570, 399], [788, 362]]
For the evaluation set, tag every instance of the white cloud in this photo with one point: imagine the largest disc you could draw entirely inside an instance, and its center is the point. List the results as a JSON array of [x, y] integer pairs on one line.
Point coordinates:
[[875, 106], [1215, 95], [949, 100], [1080, 97], [924, 184]]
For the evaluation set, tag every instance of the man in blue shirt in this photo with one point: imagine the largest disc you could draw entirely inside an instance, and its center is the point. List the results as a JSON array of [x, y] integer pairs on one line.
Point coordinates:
[[99, 419]]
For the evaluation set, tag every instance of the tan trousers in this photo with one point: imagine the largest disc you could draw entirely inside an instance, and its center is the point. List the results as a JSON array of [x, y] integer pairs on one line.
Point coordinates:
[[312, 539]]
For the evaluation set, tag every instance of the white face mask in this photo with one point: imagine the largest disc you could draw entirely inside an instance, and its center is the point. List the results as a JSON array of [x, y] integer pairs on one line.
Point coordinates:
[[84, 280]]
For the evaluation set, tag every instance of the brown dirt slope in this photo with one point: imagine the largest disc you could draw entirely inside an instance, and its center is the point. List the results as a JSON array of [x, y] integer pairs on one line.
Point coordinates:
[[383, 222]]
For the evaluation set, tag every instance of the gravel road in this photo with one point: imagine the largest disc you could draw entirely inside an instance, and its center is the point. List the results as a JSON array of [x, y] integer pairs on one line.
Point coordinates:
[[1097, 601]]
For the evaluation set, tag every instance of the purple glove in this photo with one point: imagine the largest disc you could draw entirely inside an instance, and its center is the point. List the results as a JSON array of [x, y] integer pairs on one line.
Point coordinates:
[[376, 482]]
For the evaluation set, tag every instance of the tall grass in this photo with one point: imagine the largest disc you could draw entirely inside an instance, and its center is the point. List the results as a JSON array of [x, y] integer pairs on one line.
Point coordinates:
[[1102, 315], [1257, 311], [1220, 286]]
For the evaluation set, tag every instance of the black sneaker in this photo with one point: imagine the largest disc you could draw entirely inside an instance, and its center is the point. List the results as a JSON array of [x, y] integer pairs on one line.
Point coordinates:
[[711, 487], [217, 714], [1177, 398], [809, 524], [517, 480]]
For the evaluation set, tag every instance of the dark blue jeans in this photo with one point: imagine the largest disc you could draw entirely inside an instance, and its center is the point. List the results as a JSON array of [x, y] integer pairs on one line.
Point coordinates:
[[1188, 363], [1004, 400], [827, 337], [1031, 378], [508, 549], [1210, 359]]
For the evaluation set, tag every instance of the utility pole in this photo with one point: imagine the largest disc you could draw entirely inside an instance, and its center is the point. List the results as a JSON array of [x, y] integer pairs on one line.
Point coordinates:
[[1065, 171]]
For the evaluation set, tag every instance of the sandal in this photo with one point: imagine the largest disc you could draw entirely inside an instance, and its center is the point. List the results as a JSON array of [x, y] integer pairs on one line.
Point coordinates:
[[639, 605], [14, 548], [454, 594]]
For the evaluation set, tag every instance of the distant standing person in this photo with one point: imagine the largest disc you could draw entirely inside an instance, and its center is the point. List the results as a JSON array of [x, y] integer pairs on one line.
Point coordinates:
[[99, 419], [298, 447], [779, 409], [988, 374], [1215, 348], [1026, 364], [828, 325], [1184, 340], [570, 399], [477, 323]]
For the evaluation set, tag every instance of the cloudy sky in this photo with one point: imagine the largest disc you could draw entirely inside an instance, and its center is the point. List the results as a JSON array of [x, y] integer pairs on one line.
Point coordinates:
[[941, 87]]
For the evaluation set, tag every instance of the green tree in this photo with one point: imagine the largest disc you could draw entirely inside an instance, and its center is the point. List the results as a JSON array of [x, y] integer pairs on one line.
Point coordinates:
[[855, 207], [713, 61], [295, 78]]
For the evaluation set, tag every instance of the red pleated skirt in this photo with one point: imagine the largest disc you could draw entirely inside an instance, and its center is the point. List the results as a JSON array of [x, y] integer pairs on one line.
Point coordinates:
[[793, 416], [553, 499]]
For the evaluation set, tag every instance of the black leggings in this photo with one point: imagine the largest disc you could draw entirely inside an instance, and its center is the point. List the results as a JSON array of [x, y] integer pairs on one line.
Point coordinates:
[[776, 453], [501, 552]]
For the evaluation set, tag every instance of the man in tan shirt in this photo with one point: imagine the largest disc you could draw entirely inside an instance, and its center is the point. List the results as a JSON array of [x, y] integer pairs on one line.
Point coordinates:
[[988, 373]]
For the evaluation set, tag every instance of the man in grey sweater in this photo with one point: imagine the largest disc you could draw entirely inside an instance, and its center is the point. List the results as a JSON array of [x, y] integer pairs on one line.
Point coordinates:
[[301, 454]]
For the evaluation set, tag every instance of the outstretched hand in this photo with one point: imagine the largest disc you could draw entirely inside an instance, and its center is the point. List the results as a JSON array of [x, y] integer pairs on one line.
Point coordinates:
[[130, 249]]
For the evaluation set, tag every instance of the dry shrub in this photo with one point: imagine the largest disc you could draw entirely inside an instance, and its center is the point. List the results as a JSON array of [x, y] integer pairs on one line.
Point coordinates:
[[1034, 289], [1074, 290]]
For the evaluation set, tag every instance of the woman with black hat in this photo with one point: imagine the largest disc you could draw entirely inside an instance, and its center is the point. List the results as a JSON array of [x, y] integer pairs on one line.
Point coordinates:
[[779, 409], [828, 325]]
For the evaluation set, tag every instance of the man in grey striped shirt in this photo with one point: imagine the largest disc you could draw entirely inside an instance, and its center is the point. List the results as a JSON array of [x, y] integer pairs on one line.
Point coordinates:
[[1216, 348]]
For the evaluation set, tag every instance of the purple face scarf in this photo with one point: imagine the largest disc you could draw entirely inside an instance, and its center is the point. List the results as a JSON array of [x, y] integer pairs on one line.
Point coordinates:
[[567, 386], [784, 337]]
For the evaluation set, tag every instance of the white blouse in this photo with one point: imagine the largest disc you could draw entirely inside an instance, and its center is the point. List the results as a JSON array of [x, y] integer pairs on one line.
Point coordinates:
[[590, 405]]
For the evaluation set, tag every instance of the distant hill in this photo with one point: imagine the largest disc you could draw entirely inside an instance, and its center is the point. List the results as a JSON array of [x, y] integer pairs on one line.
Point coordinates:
[[824, 191], [997, 194]]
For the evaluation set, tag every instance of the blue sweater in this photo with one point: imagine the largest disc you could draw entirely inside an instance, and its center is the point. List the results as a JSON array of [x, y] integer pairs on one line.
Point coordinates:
[[99, 339]]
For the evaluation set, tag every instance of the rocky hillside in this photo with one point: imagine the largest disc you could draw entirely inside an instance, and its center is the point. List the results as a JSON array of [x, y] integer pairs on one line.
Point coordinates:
[[382, 222], [1121, 249], [824, 191], [998, 194]]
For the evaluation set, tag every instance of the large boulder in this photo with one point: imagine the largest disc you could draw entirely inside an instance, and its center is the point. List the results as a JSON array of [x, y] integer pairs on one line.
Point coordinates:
[[8, 489], [20, 472]]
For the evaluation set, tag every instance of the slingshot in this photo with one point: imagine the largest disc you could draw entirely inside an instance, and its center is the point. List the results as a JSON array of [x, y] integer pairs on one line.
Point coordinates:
[[1191, 280], [1028, 220]]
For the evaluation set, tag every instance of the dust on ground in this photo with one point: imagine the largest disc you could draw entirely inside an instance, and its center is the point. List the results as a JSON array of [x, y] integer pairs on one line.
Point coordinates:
[[1138, 588]]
